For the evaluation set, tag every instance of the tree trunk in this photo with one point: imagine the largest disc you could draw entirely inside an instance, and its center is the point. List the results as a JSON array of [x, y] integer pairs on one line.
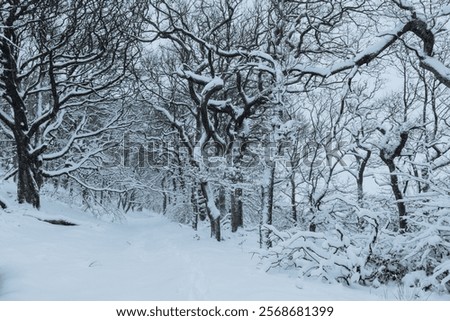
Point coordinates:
[[312, 227], [398, 195], [215, 228], [195, 208], [388, 159], [222, 200], [267, 205], [294, 215], [201, 204], [164, 204], [312, 212], [212, 211], [360, 178], [236, 210], [29, 176], [425, 187]]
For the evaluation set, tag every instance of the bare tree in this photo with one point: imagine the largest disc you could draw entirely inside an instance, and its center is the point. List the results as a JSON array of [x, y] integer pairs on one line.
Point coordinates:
[[57, 58]]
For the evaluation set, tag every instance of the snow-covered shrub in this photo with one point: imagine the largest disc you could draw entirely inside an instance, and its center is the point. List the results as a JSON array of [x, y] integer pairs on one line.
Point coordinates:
[[418, 279], [426, 248], [441, 274], [180, 212], [367, 252], [331, 256]]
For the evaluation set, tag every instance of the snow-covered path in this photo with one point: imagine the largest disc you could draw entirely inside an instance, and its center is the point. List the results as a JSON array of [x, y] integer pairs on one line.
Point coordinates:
[[145, 257]]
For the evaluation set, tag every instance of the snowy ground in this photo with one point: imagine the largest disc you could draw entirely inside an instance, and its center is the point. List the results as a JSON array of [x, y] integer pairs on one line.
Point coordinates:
[[145, 257]]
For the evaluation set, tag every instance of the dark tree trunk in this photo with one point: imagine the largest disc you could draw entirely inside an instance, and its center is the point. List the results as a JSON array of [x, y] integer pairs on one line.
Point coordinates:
[[201, 204], [215, 228], [215, 222], [398, 195], [312, 213], [425, 187], [267, 207], [271, 188], [163, 187], [360, 178], [195, 208], [29, 176], [388, 159], [294, 215], [236, 210], [222, 200]]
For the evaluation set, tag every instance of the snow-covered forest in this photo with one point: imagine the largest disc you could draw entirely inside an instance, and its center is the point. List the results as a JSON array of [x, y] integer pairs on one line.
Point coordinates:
[[315, 132]]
